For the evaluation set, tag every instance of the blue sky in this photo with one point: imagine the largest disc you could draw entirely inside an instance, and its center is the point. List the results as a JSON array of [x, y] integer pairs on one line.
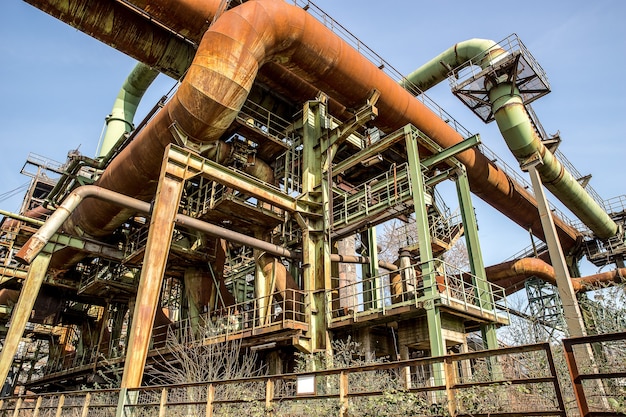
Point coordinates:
[[59, 84]]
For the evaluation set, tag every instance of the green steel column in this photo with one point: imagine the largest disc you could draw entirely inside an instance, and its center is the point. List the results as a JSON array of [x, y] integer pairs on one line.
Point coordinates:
[[160, 234], [477, 267], [371, 282], [433, 315], [120, 120], [316, 271], [21, 312]]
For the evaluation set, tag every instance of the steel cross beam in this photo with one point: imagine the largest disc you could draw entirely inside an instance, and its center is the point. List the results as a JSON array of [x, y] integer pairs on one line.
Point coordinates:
[[233, 178]]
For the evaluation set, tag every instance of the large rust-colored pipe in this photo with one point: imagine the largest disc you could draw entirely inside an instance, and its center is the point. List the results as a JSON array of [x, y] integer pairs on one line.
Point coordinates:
[[512, 274], [116, 24], [229, 57]]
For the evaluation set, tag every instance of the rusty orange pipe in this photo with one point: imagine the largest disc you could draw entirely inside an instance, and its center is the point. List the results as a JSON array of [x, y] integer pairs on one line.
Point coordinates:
[[116, 24], [218, 82], [488, 182], [512, 274]]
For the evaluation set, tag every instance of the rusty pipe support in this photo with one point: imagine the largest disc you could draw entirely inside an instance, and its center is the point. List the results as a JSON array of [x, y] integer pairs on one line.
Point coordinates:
[[36, 243]]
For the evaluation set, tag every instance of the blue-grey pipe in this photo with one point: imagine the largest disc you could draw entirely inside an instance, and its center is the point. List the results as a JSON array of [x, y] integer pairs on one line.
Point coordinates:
[[120, 120]]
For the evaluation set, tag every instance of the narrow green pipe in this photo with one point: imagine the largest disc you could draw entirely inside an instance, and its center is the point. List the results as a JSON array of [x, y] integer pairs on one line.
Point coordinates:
[[120, 120], [516, 128], [456, 57], [522, 140]]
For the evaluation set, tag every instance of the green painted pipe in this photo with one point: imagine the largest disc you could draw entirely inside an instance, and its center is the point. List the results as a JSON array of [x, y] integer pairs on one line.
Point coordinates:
[[120, 120], [516, 128], [479, 51], [522, 140]]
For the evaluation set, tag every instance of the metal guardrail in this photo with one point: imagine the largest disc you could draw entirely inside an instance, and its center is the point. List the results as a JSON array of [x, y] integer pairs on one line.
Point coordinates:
[[599, 382], [374, 196], [279, 310], [518, 381], [405, 287]]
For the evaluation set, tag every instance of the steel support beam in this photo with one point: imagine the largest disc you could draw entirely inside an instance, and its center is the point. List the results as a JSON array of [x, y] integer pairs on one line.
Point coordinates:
[[166, 204], [477, 266], [22, 311], [315, 247], [571, 310], [232, 178], [433, 315]]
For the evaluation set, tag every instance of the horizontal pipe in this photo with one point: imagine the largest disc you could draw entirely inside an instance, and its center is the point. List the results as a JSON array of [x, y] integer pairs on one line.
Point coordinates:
[[21, 217], [353, 259], [512, 274], [438, 69], [108, 21], [36, 243]]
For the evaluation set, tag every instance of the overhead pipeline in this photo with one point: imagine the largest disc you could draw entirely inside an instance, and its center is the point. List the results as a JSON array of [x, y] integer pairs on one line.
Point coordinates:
[[516, 128], [438, 69], [229, 57], [120, 121], [511, 275], [110, 22]]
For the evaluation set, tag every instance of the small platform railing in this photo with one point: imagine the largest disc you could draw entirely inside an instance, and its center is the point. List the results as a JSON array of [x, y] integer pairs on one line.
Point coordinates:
[[381, 294]]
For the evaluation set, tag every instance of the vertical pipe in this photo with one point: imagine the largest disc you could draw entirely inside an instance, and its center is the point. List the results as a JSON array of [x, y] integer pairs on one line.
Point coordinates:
[[120, 120]]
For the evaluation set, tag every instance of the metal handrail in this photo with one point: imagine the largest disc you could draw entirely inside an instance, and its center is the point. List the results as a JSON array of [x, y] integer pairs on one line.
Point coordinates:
[[405, 286]]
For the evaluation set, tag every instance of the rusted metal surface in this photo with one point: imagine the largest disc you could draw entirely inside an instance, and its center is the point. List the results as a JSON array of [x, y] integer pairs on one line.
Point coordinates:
[[600, 375], [512, 274], [223, 72], [155, 259], [190, 18], [109, 22], [22, 312]]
